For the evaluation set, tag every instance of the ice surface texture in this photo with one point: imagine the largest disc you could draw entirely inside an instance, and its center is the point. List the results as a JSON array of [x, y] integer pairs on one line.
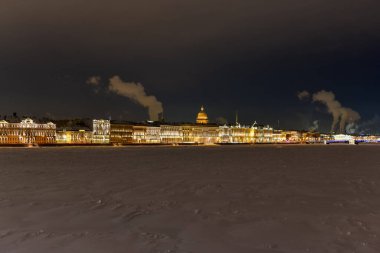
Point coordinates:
[[190, 199]]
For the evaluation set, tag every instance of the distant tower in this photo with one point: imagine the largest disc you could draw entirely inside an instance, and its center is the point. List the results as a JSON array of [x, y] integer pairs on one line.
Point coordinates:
[[202, 116]]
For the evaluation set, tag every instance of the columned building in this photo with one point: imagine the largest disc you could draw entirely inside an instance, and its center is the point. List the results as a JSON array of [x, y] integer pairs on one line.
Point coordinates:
[[139, 133], [101, 131], [171, 134], [152, 134], [27, 132], [205, 134]]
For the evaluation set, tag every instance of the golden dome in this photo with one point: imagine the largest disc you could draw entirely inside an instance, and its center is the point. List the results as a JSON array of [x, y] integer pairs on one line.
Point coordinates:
[[202, 116]]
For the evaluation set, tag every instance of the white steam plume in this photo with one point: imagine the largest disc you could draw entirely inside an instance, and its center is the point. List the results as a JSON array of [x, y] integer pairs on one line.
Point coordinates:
[[136, 92], [341, 115], [351, 128], [315, 126], [371, 126]]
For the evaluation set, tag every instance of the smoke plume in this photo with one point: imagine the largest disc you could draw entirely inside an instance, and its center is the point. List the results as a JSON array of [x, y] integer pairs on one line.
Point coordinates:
[[371, 126], [341, 115], [136, 92], [94, 80], [352, 128], [302, 95], [315, 126]]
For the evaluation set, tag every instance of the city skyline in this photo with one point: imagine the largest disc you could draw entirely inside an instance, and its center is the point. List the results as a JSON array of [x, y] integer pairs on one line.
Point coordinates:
[[29, 133]]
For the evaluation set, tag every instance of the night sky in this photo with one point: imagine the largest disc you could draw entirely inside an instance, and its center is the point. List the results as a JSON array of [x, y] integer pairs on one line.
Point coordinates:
[[248, 56]]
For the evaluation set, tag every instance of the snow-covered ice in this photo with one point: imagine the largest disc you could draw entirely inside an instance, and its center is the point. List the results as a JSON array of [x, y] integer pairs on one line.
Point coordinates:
[[190, 199]]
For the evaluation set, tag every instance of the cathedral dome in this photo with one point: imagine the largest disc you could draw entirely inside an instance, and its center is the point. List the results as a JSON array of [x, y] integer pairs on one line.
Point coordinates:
[[202, 116]]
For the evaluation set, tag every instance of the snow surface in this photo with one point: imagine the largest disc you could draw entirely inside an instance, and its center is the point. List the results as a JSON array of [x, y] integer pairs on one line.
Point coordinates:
[[190, 199]]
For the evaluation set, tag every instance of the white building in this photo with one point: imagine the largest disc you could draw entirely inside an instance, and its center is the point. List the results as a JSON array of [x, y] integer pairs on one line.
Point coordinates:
[[101, 131]]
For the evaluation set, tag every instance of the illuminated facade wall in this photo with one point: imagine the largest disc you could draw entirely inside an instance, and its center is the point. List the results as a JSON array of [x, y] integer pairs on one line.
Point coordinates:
[[187, 134], [311, 137], [101, 131], [121, 134], [152, 134], [278, 136], [204, 134], [27, 132], [293, 136], [241, 134], [74, 137], [282, 136], [245, 134], [139, 134], [171, 134], [225, 135], [146, 134], [261, 134], [369, 138], [192, 133]]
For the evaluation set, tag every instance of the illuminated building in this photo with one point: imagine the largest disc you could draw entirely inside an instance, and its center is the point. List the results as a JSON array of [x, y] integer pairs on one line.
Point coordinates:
[[4, 137], [311, 137], [146, 134], [325, 137], [172, 134], [74, 137], [283, 136], [138, 135], [27, 132], [129, 133], [367, 139], [241, 134], [292, 136], [205, 134], [278, 136], [235, 134], [202, 117], [225, 135], [342, 137], [245, 134], [262, 134], [121, 133], [101, 131], [152, 134]]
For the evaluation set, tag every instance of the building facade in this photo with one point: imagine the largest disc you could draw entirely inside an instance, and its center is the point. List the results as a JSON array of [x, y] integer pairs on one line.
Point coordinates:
[[27, 132], [121, 133], [172, 134], [74, 137], [101, 131]]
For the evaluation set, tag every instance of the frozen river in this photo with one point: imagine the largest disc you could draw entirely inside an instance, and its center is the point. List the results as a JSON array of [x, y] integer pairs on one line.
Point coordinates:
[[234, 199]]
